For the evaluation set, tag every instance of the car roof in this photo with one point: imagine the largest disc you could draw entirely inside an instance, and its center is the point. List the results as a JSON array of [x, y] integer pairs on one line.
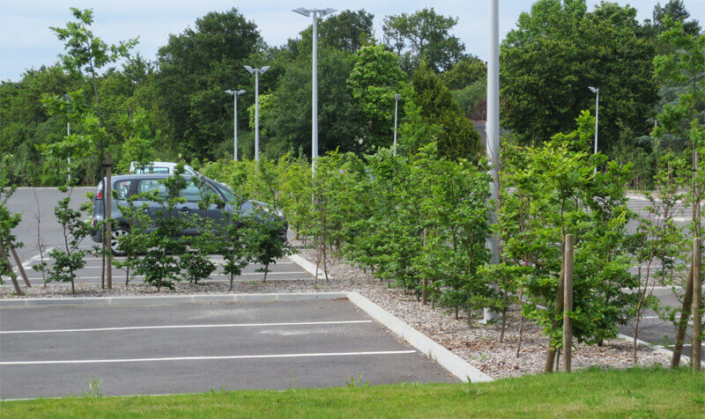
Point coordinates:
[[119, 178]]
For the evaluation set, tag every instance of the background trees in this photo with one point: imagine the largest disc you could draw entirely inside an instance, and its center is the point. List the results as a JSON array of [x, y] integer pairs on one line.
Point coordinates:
[[195, 68], [557, 51]]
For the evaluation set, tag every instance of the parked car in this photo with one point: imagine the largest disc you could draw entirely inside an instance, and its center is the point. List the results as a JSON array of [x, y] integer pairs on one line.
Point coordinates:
[[126, 186], [159, 168]]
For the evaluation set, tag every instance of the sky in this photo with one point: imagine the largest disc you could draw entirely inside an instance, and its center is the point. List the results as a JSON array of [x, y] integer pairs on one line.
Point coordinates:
[[26, 41]]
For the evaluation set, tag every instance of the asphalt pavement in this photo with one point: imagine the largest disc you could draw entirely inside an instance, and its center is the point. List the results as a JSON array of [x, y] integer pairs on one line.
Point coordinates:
[[54, 351]]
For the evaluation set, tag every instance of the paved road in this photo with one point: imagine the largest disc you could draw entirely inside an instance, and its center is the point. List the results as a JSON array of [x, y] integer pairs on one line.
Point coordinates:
[[52, 351]]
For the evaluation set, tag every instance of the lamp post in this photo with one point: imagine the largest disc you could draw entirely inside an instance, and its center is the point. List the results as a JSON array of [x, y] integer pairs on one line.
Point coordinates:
[[235, 93], [396, 114], [316, 13], [492, 129], [257, 72], [597, 115], [68, 131]]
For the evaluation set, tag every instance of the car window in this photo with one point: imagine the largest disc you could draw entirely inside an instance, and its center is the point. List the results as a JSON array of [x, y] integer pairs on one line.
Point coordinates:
[[149, 185], [122, 189], [194, 194], [229, 195], [155, 170]]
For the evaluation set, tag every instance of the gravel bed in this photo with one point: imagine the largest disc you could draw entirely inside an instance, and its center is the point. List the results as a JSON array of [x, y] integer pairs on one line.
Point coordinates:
[[479, 344]]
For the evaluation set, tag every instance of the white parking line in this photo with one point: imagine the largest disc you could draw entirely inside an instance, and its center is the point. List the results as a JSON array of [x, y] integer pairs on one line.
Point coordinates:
[[204, 358], [243, 274], [184, 326]]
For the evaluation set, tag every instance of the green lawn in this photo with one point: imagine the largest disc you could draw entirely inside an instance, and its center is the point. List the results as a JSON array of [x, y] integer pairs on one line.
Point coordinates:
[[591, 393]]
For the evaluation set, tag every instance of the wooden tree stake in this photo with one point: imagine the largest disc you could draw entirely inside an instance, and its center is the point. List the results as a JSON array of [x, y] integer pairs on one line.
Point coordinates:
[[13, 277], [20, 267], [109, 213], [568, 304]]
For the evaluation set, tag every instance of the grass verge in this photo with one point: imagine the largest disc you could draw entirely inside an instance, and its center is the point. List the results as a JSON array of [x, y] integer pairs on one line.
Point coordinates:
[[638, 392]]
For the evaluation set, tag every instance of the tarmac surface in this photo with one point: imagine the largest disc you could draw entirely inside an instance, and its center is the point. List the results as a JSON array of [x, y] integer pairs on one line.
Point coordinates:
[[55, 351]]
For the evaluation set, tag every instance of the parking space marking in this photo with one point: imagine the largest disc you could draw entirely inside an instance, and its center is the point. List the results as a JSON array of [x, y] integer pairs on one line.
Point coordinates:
[[243, 274], [204, 358], [185, 326]]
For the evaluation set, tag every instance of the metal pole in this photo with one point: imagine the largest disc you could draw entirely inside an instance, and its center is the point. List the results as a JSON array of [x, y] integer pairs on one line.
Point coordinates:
[[68, 133], [396, 112], [257, 115], [492, 129], [235, 125], [597, 120], [314, 93]]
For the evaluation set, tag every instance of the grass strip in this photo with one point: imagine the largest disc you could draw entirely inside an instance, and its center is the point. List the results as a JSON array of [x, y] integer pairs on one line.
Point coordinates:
[[635, 392]]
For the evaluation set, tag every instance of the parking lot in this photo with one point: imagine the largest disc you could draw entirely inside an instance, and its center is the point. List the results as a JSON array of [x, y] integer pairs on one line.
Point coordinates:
[[283, 270], [54, 351]]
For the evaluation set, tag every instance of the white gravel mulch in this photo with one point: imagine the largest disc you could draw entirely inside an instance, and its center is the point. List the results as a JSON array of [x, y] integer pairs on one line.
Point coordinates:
[[479, 345]]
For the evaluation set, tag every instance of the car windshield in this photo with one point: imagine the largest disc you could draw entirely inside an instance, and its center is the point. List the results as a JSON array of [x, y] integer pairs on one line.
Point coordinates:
[[227, 193]]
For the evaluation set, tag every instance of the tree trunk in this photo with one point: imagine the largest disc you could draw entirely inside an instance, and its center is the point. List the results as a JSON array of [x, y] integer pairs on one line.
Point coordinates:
[[551, 354], [683, 321], [697, 306]]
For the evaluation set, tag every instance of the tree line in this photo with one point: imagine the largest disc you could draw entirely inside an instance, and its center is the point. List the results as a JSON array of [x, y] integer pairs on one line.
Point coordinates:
[[175, 106]]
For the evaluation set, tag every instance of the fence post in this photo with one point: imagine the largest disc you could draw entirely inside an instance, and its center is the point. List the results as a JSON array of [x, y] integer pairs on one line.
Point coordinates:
[[697, 305], [568, 303]]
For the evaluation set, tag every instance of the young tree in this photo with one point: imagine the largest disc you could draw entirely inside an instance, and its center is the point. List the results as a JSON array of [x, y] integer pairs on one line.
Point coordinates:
[[686, 66], [71, 259], [8, 222]]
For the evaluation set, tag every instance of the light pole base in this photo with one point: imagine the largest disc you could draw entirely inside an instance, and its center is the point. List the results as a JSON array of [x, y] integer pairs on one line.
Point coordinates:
[[489, 316]]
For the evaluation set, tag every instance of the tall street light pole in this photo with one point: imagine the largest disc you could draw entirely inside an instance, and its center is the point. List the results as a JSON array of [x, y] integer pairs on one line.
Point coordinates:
[[316, 13], [492, 130], [257, 72], [396, 114], [597, 115], [68, 131], [235, 94]]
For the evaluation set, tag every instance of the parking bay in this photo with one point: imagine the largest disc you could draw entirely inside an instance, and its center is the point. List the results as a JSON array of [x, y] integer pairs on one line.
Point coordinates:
[[54, 351], [283, 270]]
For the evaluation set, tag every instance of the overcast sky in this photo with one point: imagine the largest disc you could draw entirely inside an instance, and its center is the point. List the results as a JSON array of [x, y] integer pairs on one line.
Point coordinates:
[[26, 41]]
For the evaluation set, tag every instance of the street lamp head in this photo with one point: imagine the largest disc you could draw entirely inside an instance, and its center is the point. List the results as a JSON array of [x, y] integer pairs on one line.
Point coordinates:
[[302, 11], [397, 97], [230, 92], [239, 92], [250, 69], [326, 12], [593, 89], [263, 69]]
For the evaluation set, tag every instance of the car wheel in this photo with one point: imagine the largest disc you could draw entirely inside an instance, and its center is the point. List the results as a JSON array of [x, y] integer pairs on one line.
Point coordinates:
[[116, 232]]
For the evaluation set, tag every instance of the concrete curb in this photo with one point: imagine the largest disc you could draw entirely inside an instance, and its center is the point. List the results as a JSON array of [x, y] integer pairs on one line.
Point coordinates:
[[308, 267], [657, 348], [169, 300], [448, 360]]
